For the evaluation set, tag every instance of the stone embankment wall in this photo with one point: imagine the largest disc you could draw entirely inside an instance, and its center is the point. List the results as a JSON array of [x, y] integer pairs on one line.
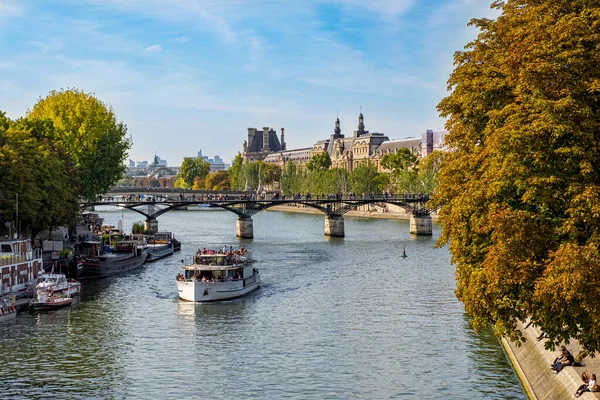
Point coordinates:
[[367, 211], [531, 362]]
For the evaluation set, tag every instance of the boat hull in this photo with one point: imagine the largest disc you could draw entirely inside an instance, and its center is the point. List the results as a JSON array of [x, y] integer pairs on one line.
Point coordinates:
[[158, 252], [215, 291], [102, 268], [11, 316], [50, 305]]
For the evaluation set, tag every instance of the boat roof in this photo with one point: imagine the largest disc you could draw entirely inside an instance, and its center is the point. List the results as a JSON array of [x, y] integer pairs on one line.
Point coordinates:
[[198, 267]]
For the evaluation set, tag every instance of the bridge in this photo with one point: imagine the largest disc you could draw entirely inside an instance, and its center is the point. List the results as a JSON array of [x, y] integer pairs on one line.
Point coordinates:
[[154, 203]]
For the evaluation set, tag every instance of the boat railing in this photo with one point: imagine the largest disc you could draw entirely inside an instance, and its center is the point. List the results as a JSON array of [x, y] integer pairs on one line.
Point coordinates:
[[9, 259]]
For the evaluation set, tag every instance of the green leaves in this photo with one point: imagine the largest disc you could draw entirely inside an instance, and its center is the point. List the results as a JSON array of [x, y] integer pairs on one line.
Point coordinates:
[[192, 169], [89, 132], [520, 192]]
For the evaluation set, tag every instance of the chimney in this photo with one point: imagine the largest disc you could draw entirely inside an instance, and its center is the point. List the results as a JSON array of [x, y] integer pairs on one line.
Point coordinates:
[[282, 140], [266, 147]]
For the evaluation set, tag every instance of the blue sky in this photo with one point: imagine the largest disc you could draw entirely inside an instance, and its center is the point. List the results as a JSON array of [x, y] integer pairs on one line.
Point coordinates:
[[186, 75]]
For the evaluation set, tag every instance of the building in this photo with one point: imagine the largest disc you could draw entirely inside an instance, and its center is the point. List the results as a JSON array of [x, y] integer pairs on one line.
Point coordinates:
[[216, 164], [262, 143], [345, 152]]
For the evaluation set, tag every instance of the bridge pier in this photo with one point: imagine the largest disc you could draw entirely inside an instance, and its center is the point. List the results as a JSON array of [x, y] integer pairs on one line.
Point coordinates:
[[334, 226], [244, 228], [421, 225], [151, 225]]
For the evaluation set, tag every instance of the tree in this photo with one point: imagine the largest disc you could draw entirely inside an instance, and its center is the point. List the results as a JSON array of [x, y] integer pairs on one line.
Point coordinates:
[[403, 159], [234, 173], [89, 132], [218, 180], [520, 192], [291, 178], [191, 168], [429, 168], [39, 172], [271, 173], [365, 179], [319, 162]]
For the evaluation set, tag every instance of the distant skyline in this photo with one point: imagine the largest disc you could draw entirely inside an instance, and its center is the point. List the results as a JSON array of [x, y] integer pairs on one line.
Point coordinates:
[[186, 75]]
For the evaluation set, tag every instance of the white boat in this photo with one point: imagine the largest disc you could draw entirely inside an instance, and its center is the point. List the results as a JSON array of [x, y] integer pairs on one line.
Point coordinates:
[[48, 300], [59, 284], [20, 265], [218, 276], [8, 309]]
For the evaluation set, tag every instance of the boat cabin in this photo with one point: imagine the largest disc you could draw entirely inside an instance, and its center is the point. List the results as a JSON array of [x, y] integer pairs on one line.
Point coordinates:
[[20, 264], [126, 246], [52, 279], [216, 273]]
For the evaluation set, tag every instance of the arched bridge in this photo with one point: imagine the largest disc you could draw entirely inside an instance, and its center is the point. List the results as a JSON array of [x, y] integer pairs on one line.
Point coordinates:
[[152, 205]]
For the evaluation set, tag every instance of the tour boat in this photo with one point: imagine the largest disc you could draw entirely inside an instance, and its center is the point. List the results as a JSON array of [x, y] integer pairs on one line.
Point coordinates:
[[20, 265], [127, 256], [59, 284], [46, 299], [218, 276], [8, 310]]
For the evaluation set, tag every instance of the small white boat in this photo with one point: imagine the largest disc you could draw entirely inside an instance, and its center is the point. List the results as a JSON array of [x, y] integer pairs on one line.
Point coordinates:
[[48, 300], [8, 310], [59, 284], [218, 276]]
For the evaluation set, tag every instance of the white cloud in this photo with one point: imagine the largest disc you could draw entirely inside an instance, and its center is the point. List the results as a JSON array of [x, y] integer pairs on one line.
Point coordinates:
[[155, 48], [10, 8], [182, 39]]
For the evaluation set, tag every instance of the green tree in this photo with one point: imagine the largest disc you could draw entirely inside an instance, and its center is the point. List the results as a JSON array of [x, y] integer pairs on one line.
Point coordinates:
[[319, 162], [429, 168], [39, 172], [191, 168], [520, 192], [234, 173], [271, 173], [292, 178], [218, 180], [365, 179], [89, 132], [403, 159]]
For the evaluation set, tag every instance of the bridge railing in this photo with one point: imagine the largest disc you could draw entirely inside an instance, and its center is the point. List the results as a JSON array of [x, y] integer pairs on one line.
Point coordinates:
[[152, 198]]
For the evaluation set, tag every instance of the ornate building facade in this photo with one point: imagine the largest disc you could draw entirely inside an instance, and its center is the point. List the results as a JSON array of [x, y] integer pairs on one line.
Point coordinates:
[[345, 152]]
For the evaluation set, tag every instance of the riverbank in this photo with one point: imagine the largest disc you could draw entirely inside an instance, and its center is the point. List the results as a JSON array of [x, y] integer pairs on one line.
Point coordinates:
[[366, 211], [531, 362]]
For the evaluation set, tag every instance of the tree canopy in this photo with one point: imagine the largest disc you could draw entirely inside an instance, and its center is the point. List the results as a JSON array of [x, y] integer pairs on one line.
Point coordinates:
[[192, 168], [89, 132], [520, 192], [319, 162], [218, 180], [38, 172]]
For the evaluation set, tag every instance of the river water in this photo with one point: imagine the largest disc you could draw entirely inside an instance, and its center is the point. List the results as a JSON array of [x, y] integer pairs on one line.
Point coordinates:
[[334, 319]]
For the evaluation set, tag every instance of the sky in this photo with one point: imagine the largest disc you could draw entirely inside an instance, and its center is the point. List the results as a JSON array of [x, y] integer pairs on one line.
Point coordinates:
[[190, 75]]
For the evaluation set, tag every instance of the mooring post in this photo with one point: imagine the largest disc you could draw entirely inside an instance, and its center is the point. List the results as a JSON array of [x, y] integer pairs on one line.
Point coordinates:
[[421, 225], [244, 227], [334, 225]]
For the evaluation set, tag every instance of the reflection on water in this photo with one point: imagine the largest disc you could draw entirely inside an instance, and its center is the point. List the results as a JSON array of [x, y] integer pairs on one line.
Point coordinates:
[[339, 318]]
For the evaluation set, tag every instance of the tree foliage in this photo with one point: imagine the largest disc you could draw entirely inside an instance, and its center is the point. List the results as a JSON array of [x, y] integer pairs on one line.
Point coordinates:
[[234, 173], [319, 162], [218, 180], [38, 172], [365, 179], [520, 192], [191, 168], [89, 132]]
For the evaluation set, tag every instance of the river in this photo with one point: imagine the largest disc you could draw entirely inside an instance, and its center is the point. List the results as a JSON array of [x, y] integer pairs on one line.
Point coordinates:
[[335, 318]]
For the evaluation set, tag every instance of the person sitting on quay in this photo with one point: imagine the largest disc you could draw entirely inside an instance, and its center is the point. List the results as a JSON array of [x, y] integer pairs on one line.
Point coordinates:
[[589, 384], [565, 359]]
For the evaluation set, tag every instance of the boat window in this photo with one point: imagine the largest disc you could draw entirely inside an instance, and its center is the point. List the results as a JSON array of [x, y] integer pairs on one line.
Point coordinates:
[[6, 248]]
